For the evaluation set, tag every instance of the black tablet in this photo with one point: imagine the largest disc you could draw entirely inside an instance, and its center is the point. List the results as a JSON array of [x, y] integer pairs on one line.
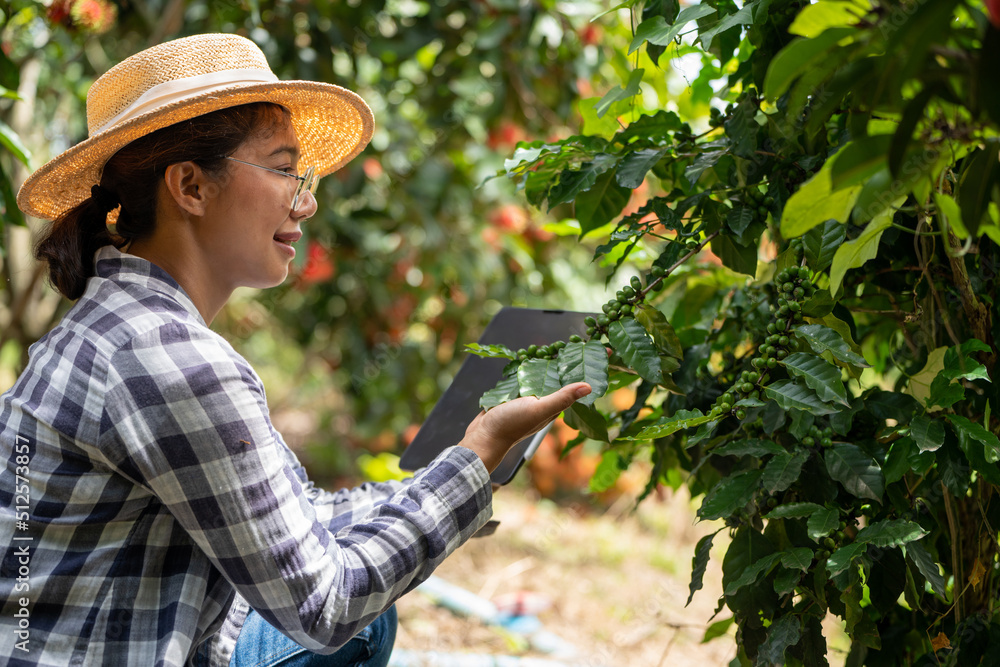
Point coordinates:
[[516, 328]]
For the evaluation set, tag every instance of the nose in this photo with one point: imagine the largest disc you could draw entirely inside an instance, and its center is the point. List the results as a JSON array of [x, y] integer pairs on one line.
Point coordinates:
[[307, 206]]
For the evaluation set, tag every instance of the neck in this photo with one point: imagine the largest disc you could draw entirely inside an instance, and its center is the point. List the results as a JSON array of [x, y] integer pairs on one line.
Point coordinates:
[[208, 297]]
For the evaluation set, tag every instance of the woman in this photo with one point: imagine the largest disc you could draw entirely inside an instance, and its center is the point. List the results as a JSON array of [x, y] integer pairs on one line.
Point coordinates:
[[148, 504]]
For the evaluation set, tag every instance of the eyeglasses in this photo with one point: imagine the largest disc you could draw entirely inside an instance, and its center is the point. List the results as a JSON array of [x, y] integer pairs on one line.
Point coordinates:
[[307, 181]]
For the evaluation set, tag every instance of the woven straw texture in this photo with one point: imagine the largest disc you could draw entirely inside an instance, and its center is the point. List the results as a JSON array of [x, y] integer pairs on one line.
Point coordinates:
[[333, 124]]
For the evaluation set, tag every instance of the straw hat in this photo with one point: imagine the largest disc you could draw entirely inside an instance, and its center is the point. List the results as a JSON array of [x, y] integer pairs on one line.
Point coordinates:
[[182, 79]]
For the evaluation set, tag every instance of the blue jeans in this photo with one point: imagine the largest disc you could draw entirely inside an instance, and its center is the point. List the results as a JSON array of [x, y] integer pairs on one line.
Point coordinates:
[[261, 645]]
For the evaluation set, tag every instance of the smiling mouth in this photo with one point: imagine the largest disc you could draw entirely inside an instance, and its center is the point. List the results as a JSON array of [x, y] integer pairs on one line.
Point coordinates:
[[283, 242]]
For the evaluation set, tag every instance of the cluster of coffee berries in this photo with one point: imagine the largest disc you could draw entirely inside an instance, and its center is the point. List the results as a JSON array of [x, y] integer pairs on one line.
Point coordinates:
[[818, 437], [544, 351], [625, 301], [716, 118], [793, 285], [758, 202], [832, 542]]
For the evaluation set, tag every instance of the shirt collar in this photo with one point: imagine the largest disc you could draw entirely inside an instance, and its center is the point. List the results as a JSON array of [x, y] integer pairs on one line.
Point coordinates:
[[113, 264]]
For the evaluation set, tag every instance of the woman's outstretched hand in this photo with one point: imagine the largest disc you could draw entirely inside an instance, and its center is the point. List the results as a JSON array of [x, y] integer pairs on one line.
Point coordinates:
[[492, 433]]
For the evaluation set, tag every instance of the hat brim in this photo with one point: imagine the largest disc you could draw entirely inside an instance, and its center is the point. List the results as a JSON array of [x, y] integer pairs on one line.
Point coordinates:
[[332, 124]]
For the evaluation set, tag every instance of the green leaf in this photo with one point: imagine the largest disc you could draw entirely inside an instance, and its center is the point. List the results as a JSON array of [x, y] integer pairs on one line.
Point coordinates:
[[897, 460], [815, 202], [752, 573], [797, 57], [506, 390], [856, 252], [821, 242], [782, 634], [756, 448], [739, 258], [891, 533], [819, 375], [744, 16], [573, 182], [730, 495], [491, 351], [859, 160], [980, 447], [793, 511], [988, 94], [717, 629], [679, 421], [657, 31], [799, 558], [944, 394], [975, 188], [699, 563], [600, 204], [663, 334], [814, 20], [821, 339], [585, 362], [742, 128], [10, 140], [786, 580], [739, 218], [634, 166], [970, 430], [791, 394], [823, 522], [10, 73], [538, 377], [912, 115], [587, 420], [960, 365], [927, 433], [783, 469], [856, 471], [629, 339], [658, 128], [882, 193], [526, 156], [841, 559], [629, 90], [701, 163], [925, 564], [608, 471]]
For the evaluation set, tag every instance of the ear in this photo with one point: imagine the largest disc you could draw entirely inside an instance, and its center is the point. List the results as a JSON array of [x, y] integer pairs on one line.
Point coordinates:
[[190, 187]]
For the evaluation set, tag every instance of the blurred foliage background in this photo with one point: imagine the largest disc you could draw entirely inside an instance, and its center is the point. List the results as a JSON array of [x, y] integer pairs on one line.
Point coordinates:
[[414, 247]]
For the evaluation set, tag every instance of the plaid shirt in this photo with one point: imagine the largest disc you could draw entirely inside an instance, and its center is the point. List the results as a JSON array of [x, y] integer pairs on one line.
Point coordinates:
[[145, 495]]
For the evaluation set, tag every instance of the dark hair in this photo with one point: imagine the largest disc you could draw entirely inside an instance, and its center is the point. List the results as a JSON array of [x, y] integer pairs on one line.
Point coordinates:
[[132, 177]]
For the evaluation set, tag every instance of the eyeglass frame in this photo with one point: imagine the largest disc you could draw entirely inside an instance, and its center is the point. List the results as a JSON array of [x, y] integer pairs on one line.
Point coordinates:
[[308, 181]]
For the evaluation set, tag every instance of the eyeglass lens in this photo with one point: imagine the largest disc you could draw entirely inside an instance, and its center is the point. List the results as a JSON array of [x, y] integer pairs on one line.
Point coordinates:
[[307, 181]]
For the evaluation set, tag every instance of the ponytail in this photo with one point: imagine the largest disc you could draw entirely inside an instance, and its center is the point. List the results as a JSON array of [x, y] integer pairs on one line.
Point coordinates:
[[74, 237]]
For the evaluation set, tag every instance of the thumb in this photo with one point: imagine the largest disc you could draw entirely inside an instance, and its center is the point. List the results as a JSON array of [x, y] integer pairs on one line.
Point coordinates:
[[558, 401]]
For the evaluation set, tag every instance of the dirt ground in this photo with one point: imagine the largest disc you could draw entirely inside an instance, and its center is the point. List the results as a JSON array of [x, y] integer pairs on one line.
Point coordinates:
[[614, 581]]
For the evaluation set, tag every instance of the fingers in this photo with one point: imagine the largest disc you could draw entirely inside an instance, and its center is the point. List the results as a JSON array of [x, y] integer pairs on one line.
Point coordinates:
[[547, 407]]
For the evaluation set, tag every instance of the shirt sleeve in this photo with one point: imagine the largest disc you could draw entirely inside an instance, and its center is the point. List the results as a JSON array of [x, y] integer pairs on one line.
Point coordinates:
[[340, 508], [186, 417]]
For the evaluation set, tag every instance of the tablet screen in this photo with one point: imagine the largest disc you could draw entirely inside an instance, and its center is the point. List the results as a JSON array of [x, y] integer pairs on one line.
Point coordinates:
[[516, 328]]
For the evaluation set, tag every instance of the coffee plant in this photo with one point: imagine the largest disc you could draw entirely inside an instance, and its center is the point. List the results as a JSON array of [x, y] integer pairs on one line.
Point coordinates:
[[810, 330]]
